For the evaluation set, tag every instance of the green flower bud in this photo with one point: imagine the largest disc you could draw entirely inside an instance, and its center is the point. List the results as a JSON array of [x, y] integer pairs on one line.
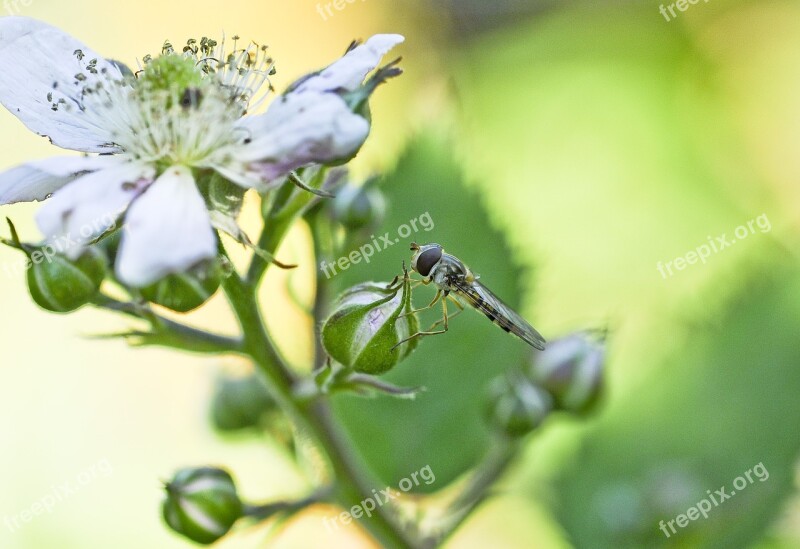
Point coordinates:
[[57, 283], [202, 504], [183, 292], [518, 406], [240, 403], [368, 323], [60, 285], [571, 369], [359, 207]]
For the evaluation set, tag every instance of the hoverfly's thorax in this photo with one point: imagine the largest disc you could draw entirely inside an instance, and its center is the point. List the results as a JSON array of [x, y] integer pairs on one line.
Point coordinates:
[[450, 269]]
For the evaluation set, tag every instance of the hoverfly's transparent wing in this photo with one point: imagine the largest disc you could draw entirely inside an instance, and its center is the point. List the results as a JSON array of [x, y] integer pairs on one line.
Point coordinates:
[[480, 297]]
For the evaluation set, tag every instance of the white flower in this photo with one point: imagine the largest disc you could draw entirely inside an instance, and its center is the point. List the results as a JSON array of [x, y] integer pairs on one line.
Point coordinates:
[[148, 137]]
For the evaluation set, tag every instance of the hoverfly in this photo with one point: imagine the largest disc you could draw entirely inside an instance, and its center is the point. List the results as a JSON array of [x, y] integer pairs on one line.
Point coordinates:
[[453, 278]]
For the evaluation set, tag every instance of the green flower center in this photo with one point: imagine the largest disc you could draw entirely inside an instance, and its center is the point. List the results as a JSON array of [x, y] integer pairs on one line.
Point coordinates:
[[173, 76]]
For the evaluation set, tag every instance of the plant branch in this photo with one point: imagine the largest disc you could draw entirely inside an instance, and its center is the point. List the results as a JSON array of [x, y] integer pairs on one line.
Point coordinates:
[[169, 333], [286, 205], [269, 510], [351, 484], [314, 417]]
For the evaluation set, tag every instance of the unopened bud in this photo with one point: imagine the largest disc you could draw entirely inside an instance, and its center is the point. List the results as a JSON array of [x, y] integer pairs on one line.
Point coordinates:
[[184, 292], [60, 285], [571, 369], [57, 283], [368, 324], [518, 406], [240, 403], [202, 504], [359, 207]]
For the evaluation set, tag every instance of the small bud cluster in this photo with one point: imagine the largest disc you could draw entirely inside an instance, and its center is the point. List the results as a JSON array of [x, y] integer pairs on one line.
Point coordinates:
[[567, 376], [60, 284]]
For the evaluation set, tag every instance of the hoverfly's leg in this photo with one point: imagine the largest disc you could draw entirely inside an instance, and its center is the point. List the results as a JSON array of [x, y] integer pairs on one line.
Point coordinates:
[[460, 310], [429, 333], [416, 283], [406, 275], [430, 305]]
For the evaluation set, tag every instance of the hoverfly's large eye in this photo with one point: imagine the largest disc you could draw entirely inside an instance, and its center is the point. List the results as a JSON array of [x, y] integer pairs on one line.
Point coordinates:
[[428, 259]]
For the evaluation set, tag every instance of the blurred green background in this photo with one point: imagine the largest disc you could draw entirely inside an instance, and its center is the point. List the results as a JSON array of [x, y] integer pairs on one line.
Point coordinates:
[[563, 150]]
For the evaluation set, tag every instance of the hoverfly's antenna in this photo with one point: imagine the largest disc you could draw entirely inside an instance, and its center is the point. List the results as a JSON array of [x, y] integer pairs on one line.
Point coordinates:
[[414, 246]]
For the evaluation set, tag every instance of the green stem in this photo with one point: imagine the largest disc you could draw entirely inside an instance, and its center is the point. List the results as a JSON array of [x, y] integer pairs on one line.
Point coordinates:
[[315, 220], [268, 510], [314, 417], [351, 483], [275, 228]]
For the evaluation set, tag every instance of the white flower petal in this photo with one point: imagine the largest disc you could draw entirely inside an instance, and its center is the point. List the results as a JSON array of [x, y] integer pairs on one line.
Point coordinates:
[[167, 230], [348, 73], [37, 59], [38, 180], [90, 205], [240, 174], [299, 129]]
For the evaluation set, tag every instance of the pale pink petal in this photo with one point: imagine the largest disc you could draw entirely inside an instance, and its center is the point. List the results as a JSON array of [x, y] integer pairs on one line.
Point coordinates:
[[37, 59], [300, 129], [167, 230], [348, 73], [39, 179], [89, 206]]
